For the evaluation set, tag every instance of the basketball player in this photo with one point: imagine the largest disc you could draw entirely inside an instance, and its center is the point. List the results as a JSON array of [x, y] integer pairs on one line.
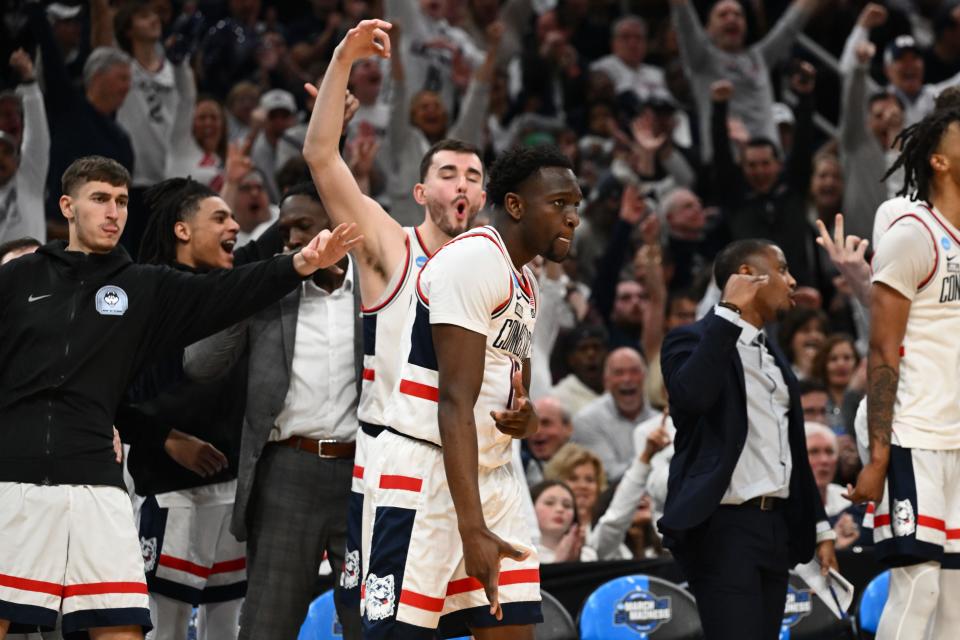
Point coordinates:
[[450, 548], [913, 416], [451, 192]]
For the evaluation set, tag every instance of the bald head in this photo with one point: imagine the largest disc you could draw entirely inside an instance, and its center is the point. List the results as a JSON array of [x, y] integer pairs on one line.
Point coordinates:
[[554, 431], [684, 214], [623, 376]]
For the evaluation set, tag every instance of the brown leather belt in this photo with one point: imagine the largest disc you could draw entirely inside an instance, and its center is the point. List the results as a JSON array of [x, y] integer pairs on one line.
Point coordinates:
[[320, 448], [765, 503]]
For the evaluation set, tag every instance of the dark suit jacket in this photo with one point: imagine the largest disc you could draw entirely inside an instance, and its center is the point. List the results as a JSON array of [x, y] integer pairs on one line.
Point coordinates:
[[704, 378], [266, 339]]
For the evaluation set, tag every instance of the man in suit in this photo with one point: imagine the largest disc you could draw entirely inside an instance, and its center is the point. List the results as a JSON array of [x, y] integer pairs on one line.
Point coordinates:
[[296, 453], [742, 507]]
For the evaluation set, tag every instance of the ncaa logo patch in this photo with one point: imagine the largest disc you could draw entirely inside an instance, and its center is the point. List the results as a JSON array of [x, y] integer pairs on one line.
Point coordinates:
[[945, 243], [643, 611], [798, 606], [421, 260], [111, 301]]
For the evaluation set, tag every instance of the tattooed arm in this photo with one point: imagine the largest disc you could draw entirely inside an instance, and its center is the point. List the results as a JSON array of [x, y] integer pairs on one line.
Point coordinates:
[[889, 310]]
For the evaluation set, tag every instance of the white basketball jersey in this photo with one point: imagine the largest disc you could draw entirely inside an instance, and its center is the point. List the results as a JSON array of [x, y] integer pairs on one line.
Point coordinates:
[[382, 330], [927, 408], [472, 283]]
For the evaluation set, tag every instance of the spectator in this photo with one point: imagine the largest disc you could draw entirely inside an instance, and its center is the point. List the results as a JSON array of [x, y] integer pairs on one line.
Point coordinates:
[[868, 128], [561, 534], [765, 197], [24, 158], [823, 457], [826, 188], [548, 78], [902, 65], [627, 518], [942, 60], [280, 110], [587, 350], [628, 43], [554, 432], [785, 122], [430, 48], [80, 124], [66, 24], [719, 53], [813, 400], [562, 306], [199, 145], [241, 103], [15, 248], [366, 79], [250, 205], [413, 130], [152, 106], [582, 471], [605, 426], [693, 239], [837, 367], [801, 334]]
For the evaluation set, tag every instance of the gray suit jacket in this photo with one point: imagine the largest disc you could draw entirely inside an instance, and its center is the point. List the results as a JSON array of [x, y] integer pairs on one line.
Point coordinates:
[[267, 339]]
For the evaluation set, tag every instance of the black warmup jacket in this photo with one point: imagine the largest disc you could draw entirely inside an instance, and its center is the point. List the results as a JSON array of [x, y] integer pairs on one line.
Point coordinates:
[[74, 331]]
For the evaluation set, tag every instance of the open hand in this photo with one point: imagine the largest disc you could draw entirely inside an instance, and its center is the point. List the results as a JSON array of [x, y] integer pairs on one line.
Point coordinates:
[[520, 421], [326, 249]]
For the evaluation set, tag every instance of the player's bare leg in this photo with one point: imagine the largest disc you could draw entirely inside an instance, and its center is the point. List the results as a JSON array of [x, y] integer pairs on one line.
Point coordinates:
[[131, 632], [508, 632]]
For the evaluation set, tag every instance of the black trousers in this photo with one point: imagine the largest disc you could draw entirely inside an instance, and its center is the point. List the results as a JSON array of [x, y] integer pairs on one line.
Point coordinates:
[[737, 564]]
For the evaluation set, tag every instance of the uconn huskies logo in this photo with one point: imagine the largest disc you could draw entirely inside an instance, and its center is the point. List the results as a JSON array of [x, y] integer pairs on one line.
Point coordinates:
[[643, 611], [798, 606], [380, 597], [111, 301], [351, 570]]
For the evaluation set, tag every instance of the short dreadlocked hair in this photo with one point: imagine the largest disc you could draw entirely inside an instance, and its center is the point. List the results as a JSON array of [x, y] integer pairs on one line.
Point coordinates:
[[167, 203], [918, 142], [516, 165]]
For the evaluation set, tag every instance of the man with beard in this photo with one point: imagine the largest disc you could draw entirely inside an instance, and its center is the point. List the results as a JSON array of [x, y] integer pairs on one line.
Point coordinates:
[[297, 447], [450, 193]]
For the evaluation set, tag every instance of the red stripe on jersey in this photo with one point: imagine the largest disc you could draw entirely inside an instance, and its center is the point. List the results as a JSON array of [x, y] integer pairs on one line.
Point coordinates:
[[423, 391], [186, 566], [871, 507], [423, 245], [953, 534], [229, 566], [102, 588], [358, 472], [368, 374], [420, 601], [941, 223], [517, 576], [881, 520], [404, 483], [933, 239], [26, 584], [396, 290]]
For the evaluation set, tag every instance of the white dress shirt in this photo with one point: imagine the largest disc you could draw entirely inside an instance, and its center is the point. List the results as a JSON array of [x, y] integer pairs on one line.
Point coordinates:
[[321, 400], [765, 464]]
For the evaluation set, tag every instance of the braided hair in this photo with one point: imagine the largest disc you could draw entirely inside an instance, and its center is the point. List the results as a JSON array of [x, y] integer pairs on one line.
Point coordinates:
[[917, 143], [169, 202]]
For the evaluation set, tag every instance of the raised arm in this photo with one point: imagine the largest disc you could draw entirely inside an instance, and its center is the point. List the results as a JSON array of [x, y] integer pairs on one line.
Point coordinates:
[[101, 24], [800, 162], [854, 131], [338, 188], [776, 45], [182, 134], [691, 37], [727, 176], [35, 148], [469, 126], [58, 89]]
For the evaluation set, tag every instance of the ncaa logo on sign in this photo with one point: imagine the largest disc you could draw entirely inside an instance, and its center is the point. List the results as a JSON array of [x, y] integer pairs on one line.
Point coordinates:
[[643, 611], [111, 301], [798, 606]]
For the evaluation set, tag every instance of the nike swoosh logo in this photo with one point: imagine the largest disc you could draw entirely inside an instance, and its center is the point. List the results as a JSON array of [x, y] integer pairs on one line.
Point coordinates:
[[950, 258], [35, 298]]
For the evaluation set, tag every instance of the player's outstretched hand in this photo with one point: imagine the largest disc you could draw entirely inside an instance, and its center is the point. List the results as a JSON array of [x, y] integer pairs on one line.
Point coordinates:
[[869, 484], [368, 38], [520, 421], [482, 552], [326, 249]]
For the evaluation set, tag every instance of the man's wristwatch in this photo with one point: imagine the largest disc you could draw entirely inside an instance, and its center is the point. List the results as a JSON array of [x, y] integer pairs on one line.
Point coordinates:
[[731, 306]]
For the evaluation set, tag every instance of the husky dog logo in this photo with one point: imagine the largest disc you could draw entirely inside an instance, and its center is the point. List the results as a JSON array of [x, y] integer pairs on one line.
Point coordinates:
[[380, 597], [148, 547], [904, 522], [111, 301], [351, 570]]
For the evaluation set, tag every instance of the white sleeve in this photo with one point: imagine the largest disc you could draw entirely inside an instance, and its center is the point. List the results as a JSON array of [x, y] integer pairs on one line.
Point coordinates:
[[466, 282], [905, 258]]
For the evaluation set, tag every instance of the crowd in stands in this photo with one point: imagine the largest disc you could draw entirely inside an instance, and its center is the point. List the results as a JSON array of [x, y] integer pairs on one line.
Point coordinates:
[[691, 123]]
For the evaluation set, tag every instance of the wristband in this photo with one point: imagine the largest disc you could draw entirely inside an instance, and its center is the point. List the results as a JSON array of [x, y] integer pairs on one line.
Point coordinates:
[[731, 306]]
